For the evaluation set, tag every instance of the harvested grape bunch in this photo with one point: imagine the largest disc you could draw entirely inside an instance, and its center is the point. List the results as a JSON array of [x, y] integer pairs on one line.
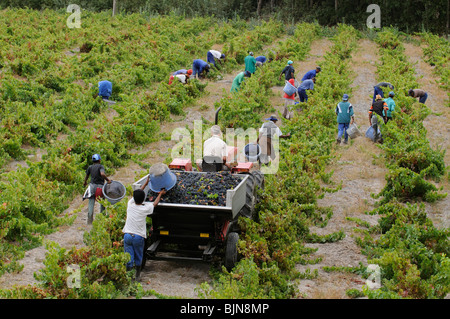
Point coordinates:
[[199, 188]]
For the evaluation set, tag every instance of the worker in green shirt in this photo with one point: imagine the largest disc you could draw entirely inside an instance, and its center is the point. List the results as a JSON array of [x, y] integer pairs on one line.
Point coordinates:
[[238, 80], [250, 63], [391, 106]]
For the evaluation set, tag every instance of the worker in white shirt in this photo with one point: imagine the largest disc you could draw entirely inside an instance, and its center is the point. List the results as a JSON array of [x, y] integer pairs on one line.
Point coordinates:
[[182, 77], [216, 147], [214, 55], [135, 230], [266, 133]]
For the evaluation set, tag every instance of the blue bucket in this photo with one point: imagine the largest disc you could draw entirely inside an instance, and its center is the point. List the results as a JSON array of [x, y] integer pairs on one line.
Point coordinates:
[[161, 177], [289, 89]]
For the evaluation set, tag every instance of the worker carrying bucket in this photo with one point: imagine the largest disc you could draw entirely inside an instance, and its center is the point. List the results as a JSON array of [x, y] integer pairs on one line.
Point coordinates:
[[97, 175], [267, 132]]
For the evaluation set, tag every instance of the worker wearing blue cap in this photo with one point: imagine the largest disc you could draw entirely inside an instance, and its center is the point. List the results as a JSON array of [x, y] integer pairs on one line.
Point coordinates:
[[391, 106], [345, 117], [213, 55], [97, 173], [288, 71], [237, 81]]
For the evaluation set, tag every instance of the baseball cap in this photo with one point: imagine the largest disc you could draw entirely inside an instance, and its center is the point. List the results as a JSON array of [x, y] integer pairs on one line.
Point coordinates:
[[345, 97], [95, 157]]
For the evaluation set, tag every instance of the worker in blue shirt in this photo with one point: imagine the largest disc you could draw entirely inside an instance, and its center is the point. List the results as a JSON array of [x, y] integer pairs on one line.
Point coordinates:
[[305, 85], [104, 89], [260, 60], [377, 89], [311, 74], [198, 67]]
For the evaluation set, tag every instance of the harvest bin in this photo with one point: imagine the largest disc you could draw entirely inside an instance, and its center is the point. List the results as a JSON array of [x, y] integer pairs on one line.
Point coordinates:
[[198, 232]]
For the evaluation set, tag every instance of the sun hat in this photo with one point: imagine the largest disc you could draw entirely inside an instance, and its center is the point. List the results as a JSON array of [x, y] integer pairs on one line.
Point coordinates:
[[378, 97], [272, 118]]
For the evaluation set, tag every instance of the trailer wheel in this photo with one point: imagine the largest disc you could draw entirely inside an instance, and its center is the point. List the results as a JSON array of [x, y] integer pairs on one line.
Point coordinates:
[[231, 250], [259, 180]]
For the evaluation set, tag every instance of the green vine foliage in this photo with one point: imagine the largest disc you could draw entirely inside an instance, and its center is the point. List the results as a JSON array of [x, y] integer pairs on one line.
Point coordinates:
[[288, 206], [411, 251]]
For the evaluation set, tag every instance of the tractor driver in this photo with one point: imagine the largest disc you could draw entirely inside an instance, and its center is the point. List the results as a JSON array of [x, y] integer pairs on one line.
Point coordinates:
[[215, 147]]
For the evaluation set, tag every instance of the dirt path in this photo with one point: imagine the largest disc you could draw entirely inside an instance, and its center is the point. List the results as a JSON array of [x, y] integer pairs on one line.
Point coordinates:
[[360, 177], [437, 125]]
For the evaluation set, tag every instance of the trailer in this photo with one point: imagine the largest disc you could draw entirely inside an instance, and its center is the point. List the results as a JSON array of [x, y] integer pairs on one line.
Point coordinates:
[[198, 232]]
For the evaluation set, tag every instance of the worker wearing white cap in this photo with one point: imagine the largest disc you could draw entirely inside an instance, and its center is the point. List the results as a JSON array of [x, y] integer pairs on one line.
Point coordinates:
[[250, 63]]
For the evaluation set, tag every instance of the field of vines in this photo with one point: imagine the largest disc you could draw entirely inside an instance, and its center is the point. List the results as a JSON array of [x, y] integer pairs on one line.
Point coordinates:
[[49, 104]]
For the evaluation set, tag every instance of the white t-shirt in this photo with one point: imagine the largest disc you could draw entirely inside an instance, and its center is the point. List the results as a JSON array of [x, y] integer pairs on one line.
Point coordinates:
[[181, 78], [216, 54], [136, 215], [215, 146]]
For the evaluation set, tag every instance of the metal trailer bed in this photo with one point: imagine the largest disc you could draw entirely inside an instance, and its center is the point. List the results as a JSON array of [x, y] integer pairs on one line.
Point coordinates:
[[198, 232]]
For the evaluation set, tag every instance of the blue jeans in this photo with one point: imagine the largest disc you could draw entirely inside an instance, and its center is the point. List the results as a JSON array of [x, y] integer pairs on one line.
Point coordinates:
[[422, 99], [342, 130], [210, 58], [303, 96], [377, 91], [134, 245], [195, 70]]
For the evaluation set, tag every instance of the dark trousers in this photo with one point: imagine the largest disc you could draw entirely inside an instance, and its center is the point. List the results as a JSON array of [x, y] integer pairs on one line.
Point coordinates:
[[422, 99], [303, 96]]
